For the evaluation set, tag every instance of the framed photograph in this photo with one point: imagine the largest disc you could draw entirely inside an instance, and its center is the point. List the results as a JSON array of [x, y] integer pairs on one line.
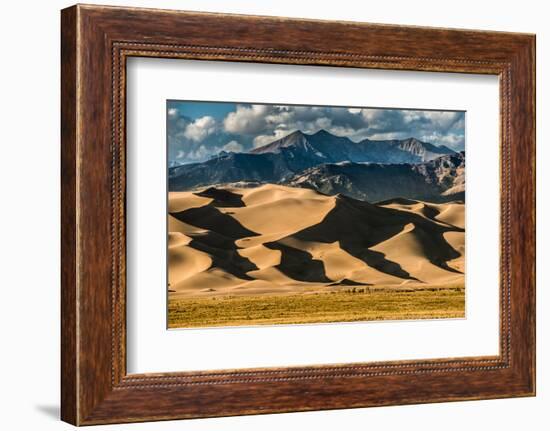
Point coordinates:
[[265, 215], [268, 211]]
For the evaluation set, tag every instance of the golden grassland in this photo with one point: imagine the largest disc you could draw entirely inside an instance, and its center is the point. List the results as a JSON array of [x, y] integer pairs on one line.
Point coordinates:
[[351, 305]]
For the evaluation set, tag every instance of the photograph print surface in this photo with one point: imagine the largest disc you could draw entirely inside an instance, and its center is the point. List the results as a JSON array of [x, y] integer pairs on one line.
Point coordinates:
[[288, 214]]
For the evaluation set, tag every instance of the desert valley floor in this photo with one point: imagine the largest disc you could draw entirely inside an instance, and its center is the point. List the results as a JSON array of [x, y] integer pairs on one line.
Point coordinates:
[[278, 254]]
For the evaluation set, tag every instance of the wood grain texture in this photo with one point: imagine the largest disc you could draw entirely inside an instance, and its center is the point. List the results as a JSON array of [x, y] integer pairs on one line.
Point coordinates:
[[69, 397], [96, 41]]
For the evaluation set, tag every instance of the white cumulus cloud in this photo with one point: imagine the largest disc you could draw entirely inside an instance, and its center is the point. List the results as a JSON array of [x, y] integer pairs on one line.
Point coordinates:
[[442, 120], [247, 120], [200, 128]]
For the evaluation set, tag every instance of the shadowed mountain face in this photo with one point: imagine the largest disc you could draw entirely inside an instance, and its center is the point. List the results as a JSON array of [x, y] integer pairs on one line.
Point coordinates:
[[228, 168], [276, 239], [332, 164], [439, 180]]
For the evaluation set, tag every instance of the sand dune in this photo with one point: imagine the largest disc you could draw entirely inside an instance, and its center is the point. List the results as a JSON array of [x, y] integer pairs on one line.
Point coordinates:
[[453, 214], [456, 240], [185, 262], [417, 255], [180, 201], [276, 239]]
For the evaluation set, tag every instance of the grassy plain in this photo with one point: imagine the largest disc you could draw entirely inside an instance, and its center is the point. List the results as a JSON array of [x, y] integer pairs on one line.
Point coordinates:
[[351, 305]]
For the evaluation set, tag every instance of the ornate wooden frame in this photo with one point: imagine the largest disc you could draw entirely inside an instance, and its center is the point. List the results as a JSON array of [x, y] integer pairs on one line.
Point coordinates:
[[96, 41]]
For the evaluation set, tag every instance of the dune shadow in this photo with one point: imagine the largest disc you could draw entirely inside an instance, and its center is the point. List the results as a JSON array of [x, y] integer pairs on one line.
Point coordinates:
[[348, 282], [225, 257], [378, 261], [357, 226], [222, 232], [211, 218], [397, 200], [355, 222], [222, 198], [299, 265], [430, 212], [436, 249]]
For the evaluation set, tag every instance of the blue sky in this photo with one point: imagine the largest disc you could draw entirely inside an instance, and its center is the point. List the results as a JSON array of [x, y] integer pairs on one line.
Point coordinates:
[[196, 110], [200, 130]]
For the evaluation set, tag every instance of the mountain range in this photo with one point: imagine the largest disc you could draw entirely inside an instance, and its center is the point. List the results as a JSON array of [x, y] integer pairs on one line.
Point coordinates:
[[371, 170], [439, 180], [324, 147]]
